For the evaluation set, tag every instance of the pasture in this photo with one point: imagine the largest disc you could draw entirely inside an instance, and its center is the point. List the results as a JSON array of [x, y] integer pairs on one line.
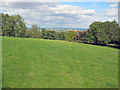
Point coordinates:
[[40, 63]]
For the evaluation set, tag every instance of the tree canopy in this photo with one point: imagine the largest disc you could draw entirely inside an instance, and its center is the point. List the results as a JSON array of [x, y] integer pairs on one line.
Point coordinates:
[[13, 26]]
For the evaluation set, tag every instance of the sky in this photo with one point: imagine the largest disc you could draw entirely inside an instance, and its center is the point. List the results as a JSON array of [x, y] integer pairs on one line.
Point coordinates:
[[62, 14]]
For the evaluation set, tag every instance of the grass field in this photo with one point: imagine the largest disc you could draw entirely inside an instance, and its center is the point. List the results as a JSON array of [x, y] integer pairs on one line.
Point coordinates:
[[38, 63]]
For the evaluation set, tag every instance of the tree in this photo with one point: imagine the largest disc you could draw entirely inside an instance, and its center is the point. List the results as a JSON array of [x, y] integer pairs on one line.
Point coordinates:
[[5, 25], [13, 26], [60, 35], [35, 31], [82, 36], [28, 34], [51, 34], [48, 34], [92, 31], [108, 32], [0, 24], [77, 38], [103, 33], [115, 32], [44, 34], [19, 27], [70, 35]]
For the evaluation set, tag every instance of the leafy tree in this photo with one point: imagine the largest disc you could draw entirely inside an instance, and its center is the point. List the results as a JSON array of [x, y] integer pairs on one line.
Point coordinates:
[[108, 32], [48, 34], [44, 33], [39, 34], [5, 25], [35, 31], [102, 32], [13, 26], [115, 30], [19, 28], [82, 36], [92, 31], [77, 38], [0, 24], [51, 34], [60, 35], [28, 34], [70, 35]]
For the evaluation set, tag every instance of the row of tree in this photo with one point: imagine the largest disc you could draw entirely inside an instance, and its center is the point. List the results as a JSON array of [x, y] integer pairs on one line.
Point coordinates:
[[98, 33], [36, 32], [101, 33], [14, 26]]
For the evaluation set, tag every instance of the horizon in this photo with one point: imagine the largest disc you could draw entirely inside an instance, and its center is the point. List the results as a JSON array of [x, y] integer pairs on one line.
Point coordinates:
[[58, 28]]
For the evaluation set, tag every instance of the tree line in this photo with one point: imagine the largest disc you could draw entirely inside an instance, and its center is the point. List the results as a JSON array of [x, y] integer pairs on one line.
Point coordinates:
[[98, 32], [101, 33]]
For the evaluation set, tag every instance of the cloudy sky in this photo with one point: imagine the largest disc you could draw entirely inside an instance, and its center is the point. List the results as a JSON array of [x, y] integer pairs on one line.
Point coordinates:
[[62, 14]]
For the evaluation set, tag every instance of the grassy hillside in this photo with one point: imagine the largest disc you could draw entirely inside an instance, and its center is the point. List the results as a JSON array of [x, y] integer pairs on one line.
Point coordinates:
[[37, 63]]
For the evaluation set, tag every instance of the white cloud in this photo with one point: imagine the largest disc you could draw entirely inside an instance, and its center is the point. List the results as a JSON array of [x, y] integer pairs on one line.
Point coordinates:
[[114, 5], [60, 17], [111, 12], [69, 9], [59, 0], [112, 0], [54, 14]]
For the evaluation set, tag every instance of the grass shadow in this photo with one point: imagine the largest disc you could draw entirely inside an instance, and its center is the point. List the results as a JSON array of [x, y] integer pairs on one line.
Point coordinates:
[[112, 46]]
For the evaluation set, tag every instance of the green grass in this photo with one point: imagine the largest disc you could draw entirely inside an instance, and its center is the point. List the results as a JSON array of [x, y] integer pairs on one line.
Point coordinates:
[[38, 63]]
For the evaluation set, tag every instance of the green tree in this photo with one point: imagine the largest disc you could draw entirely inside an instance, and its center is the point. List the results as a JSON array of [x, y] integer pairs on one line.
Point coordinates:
[[19, 27], [70, 35], [114, 31], [92, 31], [28, 34], [61, 35], [48, 34], [13, 26], [44, 33], [35, 31], [51, 34], [0, 24], [108, 32], [6, 25], [103, 33]]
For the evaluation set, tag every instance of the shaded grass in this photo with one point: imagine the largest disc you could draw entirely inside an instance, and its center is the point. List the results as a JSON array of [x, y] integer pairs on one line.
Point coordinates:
[[38, 63]]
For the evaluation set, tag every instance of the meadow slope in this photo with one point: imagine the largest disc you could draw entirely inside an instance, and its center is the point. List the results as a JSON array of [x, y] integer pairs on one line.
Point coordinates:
[[38, 63]]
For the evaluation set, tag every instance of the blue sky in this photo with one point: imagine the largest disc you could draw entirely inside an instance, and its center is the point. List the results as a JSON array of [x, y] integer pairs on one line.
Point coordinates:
[[62, 14], [98, 6], [1, 11], [88, 5]]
